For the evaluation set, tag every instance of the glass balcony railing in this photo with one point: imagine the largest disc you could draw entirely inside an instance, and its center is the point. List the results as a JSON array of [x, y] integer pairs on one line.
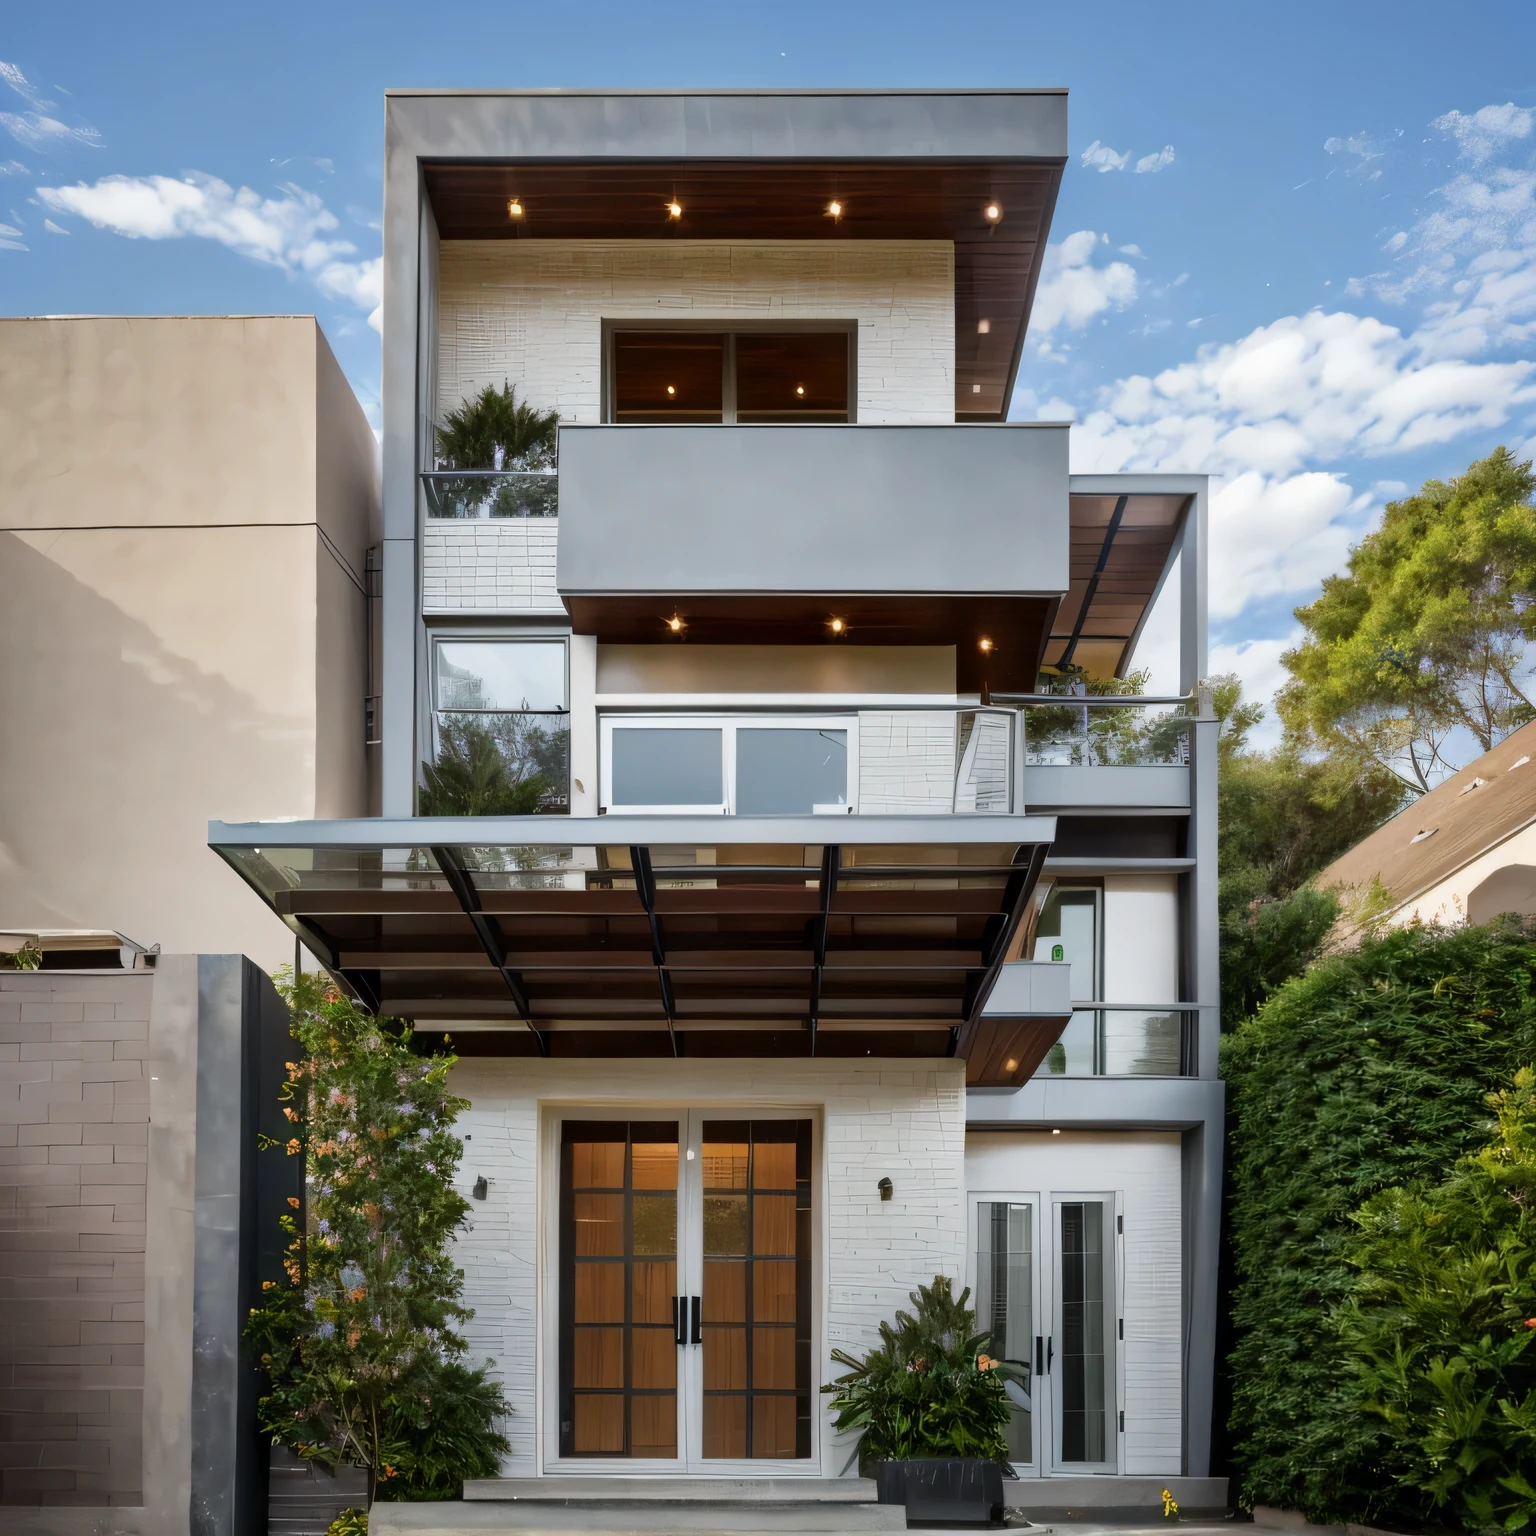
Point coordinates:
[[483, 493], [1106, 731], [1123, 1040], [489, 762]]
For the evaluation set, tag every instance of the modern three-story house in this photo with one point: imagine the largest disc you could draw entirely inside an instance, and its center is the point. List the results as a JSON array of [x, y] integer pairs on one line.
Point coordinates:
[[853, 929]]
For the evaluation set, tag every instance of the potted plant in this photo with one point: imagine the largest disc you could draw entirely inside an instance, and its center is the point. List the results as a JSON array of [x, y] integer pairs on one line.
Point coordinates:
[[930, 1407], [493, 431]]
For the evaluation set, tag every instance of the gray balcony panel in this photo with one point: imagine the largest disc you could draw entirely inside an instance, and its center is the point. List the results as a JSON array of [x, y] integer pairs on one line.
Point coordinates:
[[855, 509], [1145, 786]]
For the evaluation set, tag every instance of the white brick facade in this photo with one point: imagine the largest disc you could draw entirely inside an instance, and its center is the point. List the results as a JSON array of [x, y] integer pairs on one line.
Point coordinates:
[[902, 1120], [531, 311], [489, 565]]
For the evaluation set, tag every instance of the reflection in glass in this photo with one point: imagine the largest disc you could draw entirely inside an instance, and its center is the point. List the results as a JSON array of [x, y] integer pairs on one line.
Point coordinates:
[[661, 376], [1005, 1306], [1084, 1356], [783, 376], [519, 675], [657, 766], [783, 772]]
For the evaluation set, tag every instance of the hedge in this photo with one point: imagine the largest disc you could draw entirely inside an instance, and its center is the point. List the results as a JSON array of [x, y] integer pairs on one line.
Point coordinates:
[[1370, 1071]]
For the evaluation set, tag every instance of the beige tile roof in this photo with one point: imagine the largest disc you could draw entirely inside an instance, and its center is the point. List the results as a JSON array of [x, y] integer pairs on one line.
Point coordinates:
[[1471, 812]]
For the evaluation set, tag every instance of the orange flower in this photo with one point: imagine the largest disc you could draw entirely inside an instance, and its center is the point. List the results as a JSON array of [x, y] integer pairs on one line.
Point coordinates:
[[294, 1201], [985, 1363]]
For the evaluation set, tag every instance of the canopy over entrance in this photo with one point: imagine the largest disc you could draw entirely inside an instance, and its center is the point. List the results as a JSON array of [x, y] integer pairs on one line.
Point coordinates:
[[660, 935]]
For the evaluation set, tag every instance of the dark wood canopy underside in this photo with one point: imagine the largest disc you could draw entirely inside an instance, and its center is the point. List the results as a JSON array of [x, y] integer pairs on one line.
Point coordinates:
[[997, 264], [733, 950]]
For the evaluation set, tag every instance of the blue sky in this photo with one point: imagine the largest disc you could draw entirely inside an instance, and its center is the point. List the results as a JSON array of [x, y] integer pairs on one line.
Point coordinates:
[[1295, 246]]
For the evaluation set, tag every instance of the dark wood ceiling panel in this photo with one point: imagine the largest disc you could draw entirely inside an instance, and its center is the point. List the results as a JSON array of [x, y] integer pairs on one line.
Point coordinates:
[[997, 264]]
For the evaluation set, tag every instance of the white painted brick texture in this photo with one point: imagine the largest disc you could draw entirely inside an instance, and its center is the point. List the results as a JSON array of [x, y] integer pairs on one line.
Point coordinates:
[[902, 1120], [530, 311], [489, 565]]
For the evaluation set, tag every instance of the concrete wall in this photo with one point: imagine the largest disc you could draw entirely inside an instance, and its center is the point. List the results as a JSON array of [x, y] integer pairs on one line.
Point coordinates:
[[185, 506], [770, 670], [904, 1120], [531, 312]]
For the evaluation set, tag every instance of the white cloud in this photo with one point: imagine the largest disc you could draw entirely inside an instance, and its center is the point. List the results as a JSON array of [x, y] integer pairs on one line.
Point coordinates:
[[1072, 290], [1257, 662], [1131, 250], [37, 128], [52, 228], [1484, 132], [1100, 157], [1153, 163], [10, 238], [12, 168], [294, 232]]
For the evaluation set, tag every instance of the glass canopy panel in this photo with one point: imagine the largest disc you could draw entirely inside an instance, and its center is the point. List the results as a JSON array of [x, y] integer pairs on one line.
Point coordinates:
[[272, 870]]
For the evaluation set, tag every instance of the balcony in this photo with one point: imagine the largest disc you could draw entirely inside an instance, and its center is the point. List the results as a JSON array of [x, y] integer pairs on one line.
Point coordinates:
[[1083, 751], [917, 535], [488, 543]]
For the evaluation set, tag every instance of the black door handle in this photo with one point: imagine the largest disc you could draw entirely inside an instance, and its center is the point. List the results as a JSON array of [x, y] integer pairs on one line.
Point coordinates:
[[1050, 1352], [697, 1308], [1039, 1354], [678, 1304]]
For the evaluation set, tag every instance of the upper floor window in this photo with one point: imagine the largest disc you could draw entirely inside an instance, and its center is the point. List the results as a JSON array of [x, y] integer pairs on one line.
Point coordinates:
[[730, 376]]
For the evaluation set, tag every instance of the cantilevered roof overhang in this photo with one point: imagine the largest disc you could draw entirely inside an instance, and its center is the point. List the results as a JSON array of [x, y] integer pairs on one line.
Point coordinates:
[[661, 935]]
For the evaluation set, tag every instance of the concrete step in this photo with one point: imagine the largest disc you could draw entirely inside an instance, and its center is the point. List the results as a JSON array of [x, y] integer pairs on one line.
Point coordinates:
[[651, 1517], [676, 1490]]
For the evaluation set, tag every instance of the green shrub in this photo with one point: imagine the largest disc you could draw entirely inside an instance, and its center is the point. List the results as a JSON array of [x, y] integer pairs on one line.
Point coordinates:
[[360, 1348], [492, 431], [928, 1388], [1442, 1323], [1369, 1072]]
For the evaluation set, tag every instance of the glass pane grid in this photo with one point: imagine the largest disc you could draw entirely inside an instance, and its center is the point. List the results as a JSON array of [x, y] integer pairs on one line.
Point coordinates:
[[1005, 1307], [1084, 1362], [757, 1302]]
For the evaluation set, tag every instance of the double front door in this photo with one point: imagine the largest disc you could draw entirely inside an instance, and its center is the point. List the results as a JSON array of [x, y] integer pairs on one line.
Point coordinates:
[[685, 1283], [1043, 1274]]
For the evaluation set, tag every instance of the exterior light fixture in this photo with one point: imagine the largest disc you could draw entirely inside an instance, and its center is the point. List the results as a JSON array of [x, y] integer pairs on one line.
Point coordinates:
[[983, 327], [481, 1189], [671, 389], [514, 209], [984, 646], [1055, 1133], [837, 626], [834, 210], [975, 389], [1011, 1065], [674, 210], [886, 1188], [992, 212], [675, 624], [799, 389]]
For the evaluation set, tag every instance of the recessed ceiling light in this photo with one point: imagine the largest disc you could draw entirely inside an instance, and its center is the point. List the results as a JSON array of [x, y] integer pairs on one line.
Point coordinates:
[[992, 212], [671, 389], [835, 209], [838, 626], [674, 210], [1055, 1133], [975, 389], [983, 327], [1010, 1065], [799, 389], [514, 209], [983, 645], [675, 624]]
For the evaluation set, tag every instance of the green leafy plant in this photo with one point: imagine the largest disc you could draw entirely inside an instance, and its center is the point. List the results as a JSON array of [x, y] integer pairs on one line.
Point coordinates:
[[494, 765], [1441, 1326], [350, 1522], [1369, 1072], [360, 1349], [28, 956], [494, 431], [928, 1388]]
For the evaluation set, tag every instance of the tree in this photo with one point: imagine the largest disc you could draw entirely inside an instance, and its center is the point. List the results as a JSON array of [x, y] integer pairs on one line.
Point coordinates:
[[492, 431], [1441, 1326], [1424, 638], [494, 765], [1281, 817], [363, 1360]]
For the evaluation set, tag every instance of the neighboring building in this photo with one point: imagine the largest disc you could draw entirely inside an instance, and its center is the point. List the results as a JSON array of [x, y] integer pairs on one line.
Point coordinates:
[[186, 509], [1462, 853], [841, 958]]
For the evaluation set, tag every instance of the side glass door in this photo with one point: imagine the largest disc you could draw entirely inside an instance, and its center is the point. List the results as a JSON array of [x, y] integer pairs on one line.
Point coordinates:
[[1083, 1325], [1005, 1250], [747, 1370]]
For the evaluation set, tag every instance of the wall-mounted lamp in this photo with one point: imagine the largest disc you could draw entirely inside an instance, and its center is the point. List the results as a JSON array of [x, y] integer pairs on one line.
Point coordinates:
[[482, 1188], [674, 210], [886, 1188]]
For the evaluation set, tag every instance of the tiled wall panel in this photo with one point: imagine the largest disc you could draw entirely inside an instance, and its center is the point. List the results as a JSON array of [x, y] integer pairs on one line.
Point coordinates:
[[490, 565]]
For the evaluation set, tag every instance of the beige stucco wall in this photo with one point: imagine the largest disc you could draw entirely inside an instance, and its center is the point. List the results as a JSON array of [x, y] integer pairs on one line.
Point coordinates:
[[531, 311], [1457, 898], [185, 507]]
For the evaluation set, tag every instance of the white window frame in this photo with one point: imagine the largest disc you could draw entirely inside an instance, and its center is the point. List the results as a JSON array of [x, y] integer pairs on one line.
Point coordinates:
[[727, 725]]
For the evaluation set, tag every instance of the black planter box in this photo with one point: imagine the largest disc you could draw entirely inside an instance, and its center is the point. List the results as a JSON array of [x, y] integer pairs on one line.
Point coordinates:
[[947, 1490]]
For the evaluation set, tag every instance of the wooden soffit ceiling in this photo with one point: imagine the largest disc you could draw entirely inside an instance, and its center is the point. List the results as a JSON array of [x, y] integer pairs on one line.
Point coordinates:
[[997, 264]]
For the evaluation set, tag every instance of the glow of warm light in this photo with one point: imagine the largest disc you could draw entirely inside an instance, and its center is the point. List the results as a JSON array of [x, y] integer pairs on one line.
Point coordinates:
[[993, 212], [799, 389], [514, 209], [674, 624], [674, 210], [1010, 1065], [671, 390], [835, 209], [838, 626], [1055, 1133], [984, 646], [983, 327]]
